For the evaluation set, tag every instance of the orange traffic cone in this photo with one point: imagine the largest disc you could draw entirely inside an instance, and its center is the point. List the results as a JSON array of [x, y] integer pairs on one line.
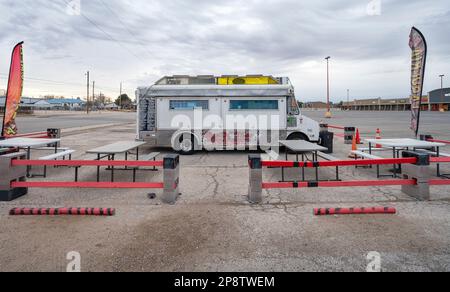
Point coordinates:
[[354, 148], [378, 137], [358, 137]]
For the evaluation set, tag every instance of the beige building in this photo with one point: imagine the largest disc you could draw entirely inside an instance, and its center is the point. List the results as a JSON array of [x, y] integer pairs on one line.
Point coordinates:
[[378, 104]]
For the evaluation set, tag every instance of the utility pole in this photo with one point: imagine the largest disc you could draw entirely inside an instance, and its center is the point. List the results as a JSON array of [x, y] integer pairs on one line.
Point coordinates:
[[442, 92], [93, 92], [87, 96], [101, 102], [120, 96], [328, 114]]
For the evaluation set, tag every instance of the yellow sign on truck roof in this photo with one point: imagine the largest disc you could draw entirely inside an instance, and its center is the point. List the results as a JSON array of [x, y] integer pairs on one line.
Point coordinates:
[[246, 80]]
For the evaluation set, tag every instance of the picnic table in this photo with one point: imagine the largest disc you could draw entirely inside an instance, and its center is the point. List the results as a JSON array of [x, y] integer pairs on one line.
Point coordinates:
[[404, 144], [28, 144], [110, 151], [303, 148]]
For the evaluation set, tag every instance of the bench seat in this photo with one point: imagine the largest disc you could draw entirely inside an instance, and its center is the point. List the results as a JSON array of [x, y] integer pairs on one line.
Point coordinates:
[[327, 156], [148, 157], [435, 153], [374, 149], [58, 155], [365, 155], [52, 149]]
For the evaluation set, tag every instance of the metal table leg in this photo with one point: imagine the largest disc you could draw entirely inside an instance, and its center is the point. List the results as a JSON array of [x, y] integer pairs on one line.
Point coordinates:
[[317, 168], [98, 168], [438, 165], [28, 158], [112, 169], [395, 165], [303, 167], [76, 173]]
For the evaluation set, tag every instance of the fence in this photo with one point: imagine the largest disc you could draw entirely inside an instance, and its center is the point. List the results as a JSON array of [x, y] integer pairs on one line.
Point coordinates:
[[13, 182], [416, 180]]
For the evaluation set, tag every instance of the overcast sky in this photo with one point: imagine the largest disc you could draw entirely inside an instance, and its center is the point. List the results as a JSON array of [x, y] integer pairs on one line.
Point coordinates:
[[139, 41]]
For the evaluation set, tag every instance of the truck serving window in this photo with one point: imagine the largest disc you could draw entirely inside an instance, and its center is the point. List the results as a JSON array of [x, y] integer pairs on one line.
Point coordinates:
[[189, 104], [254, 105]]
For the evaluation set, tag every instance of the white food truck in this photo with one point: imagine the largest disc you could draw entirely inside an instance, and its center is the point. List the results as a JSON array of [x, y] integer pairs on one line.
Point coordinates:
[[229, 112]]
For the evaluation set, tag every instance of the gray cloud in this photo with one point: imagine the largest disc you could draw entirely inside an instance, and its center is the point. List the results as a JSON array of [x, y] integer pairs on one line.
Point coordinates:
[[289, 37]]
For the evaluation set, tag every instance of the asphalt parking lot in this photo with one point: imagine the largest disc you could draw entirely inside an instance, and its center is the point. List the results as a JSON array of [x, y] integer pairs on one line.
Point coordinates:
[[42, 120], [212, 227]]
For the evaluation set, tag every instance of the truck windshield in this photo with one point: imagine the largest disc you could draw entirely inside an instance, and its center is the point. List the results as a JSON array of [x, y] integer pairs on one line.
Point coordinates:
[[293, 108]]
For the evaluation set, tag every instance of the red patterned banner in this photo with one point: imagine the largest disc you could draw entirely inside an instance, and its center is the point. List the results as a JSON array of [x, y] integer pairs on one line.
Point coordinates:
[[14, 92]]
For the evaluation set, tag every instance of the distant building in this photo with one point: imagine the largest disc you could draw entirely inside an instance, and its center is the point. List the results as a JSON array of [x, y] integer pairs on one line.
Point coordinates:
[[67, 103], [436, 100], [42, 105], [315, 105], [440, 99], [378, 104], [27, 105]]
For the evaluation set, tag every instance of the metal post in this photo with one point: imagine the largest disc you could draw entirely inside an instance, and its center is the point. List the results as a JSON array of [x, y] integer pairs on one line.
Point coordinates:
[[420, 172], [171, 179], [120, 96], [348, 98], [93, 92], [442, 91], [255, 182], [54, 133], [328, 114], [11, 173]]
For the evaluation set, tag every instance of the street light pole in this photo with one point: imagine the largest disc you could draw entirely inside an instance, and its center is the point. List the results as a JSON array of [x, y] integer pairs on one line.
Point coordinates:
[[348, 99], [442, 92], [328, 114], [93, 93]]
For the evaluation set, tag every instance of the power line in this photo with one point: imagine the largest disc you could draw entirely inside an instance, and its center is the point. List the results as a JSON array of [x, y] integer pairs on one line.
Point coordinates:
[[132, 34], [59, 83], [106, 34]]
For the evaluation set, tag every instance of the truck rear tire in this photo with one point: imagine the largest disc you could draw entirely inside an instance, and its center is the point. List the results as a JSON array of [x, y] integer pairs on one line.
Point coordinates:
[[186, 145], [298, 137]]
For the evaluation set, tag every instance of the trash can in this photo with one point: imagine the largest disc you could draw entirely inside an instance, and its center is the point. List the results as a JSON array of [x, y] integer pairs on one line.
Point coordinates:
[[326, 140], [349, 134]]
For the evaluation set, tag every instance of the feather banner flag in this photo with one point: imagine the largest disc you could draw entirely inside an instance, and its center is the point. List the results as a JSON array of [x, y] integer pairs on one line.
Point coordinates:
[[419, 48], [13, 93]]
